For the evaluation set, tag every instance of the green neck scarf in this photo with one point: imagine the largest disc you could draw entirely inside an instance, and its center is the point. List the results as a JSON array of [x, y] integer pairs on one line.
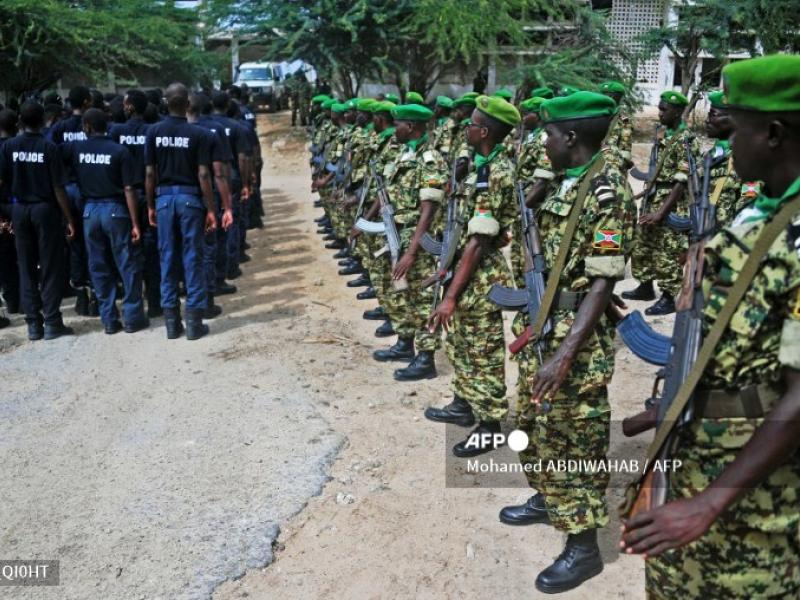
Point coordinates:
[[466, 121], [771, 205], [414, 144], [578, 171], [370, 126], [724, 144], [481, 160], [671, 132], [441, 121], [388, 132]]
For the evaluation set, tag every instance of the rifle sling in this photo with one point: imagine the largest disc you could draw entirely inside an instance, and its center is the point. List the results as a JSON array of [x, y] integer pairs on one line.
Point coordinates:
[[551, 290], [735, 295], [660, 165], [721, 184]]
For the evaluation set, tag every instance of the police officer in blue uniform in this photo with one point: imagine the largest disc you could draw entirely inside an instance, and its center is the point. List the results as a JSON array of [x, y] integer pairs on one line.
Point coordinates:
[[106, 176], [33, 169], [9, 273], [66, 130], [200, 114], [132, 135], [180, 202], [238, 134]]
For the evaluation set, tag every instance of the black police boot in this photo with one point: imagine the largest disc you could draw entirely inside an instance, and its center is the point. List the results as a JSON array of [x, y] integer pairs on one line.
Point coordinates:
[[56, 330], [137, 325], [579, 561], [376, 314], [402, 350], [664, 306], [4, 322], [362, 281], [458, 412], [346, 262], [533, 511], [335, 245], [233, 273], [112, 327], [343, 253], [474, 444], [172, 320], [422, 366], [82, 301], [195, 328], [322, 220], [212, 310], [223, 288], [367, 294], [352, 269], [329, 237], [154, 310], [94, 305], [385, 329], [644, 291], [35, 330], [244, 258]]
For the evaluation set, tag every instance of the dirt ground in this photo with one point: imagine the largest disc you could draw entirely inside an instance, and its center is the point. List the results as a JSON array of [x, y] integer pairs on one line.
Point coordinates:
[[272, 459]]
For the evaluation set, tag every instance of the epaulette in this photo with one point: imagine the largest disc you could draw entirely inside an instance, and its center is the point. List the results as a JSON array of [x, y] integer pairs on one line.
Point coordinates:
[[603, 191], [793, 234], [428, 157], [482, 181]]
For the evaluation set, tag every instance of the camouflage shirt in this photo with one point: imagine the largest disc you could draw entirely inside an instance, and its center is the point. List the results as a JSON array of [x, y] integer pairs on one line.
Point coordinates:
[[533, 162], [360, 152], [675, 168], [620, 142]]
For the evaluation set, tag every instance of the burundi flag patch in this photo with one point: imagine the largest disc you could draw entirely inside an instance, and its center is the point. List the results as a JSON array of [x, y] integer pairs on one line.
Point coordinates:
[[607, 239]]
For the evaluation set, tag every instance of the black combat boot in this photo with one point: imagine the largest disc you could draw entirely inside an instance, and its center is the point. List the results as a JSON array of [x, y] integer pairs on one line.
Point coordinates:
[[81, 301], [212, 310], [367, 294], [154, 310], [385, 330], [351, 269], [422, 366], [137, 325], [112, 327], [322, 220], [533, 511], [644, 291], [195, 328], [233, 272], [94, 305], [318, 203], [56, 330], [343, 253], [35, 330], [346, 262], [458, 412], [474, 444], [362, 281], [172, 320], [579, 561], [223, 288], [664, 306], [402, 350], [335, 245], [375, 314], [329, 237], [4, 322]]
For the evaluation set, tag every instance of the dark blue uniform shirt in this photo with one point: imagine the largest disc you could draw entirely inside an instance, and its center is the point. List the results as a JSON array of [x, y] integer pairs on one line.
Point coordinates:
[[132, 135], [176, 149], [103, 168], [65, 131], [220, 148], [31, 165]]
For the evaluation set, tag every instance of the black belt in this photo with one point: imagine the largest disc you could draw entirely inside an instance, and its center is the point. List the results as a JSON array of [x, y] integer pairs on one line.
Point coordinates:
[[751, 402], [188, 190]]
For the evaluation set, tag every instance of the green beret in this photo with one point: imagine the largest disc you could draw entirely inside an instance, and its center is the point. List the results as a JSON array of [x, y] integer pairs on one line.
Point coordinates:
[[717, 99], [384, 106], [613, 87], [328, 104], [394, 98], [580, 105], [414, 98], [675, 98], [352, 103], [365, 104], [444, 102], [542, 92], [498, 108], [320, 98], [532, 105], [467, 99], [765, 84], [504, 94], [568, 90], [412, 112], [340, 107]]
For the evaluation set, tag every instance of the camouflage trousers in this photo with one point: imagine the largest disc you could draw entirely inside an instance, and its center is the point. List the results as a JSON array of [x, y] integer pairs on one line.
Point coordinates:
[[409, 310], [753, 549], [656, 256], [476, 348], [577, 428]]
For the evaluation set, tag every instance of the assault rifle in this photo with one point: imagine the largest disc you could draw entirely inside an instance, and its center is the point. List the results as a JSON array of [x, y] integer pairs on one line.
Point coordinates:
[[446, 248], [363, 193], [529, 298], [651, 167], [696, 189], [387, 227]]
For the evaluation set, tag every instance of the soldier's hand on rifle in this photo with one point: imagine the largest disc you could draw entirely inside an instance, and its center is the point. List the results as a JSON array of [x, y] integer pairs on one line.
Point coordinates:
[[403, 266], [354, 233], [443, 315], [462, 166], [549, 378], [650, 219], [670, 525]]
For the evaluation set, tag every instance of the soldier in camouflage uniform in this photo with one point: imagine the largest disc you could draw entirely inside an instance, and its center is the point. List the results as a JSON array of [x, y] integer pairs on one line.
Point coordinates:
[[730, 526], [620, 139], [325, 184], [578, 355], [415, 183], [327, 135], [458, 147], [658, 248], [475, 343], [441, 123]]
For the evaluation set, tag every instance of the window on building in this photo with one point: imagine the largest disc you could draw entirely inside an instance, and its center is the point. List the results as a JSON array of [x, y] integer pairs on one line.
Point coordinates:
[[710, 72], [677, 75], [602, 4]]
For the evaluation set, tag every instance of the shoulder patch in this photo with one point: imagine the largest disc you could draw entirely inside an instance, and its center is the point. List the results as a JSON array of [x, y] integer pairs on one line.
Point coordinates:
[[428, 156], [603, 191]]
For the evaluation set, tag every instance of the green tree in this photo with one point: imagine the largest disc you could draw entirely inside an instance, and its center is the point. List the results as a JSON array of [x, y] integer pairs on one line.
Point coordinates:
[[772, 24]]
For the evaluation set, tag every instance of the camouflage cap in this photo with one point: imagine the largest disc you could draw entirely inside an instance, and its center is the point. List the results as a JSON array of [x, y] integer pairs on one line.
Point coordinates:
[[765, 84], [412, 112], [674, 98], [498, 108], [580, 105]]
